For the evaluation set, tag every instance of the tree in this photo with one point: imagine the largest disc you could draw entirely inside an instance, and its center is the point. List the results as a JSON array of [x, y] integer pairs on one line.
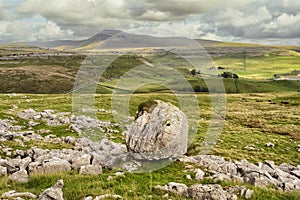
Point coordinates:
[[227, 75], [236, 77], [197, 88], [193, 72]]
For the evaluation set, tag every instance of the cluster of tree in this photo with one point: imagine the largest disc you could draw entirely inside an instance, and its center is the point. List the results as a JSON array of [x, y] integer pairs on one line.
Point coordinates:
[[229, 75], [197, 88], [194, 72]]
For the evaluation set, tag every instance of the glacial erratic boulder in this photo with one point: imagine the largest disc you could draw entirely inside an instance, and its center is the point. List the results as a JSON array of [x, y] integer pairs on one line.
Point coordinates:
[[160, 131]]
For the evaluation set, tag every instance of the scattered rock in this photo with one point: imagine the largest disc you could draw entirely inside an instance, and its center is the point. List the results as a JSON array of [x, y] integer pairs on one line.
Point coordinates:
[[159, 132], [262, 175], [117, 174], [212, 192], [3, 171], [88, 198], [111, 196], [13, 194], [248, 194], [83, 160], [188, 177], [269, 144], [176, 188], [51, 166], [53, 193], [199, 174], [296, 173], [91, 169], [19, 176]]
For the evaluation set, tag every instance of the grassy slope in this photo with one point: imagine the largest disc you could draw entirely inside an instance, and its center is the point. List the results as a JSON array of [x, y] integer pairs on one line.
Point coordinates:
[[260, 68], [57, 74], [252, 119]]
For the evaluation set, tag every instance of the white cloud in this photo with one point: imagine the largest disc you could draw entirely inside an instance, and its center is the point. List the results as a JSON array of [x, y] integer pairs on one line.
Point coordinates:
[[21, 31], [227, 20]]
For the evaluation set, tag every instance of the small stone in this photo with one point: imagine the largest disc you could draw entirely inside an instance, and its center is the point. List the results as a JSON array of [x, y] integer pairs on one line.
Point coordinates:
[[110, 196], [91, 169], [177, 188], [199, 174], [37, 117], [33, 123], [269, 144], [119, 174], [188, 177], [296, 173], [3, 171], [14, 194], [248, 194], [88, 198], [271, 164]]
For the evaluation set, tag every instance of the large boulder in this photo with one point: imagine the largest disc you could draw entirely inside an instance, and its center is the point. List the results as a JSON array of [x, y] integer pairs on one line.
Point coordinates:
[[160, 131]]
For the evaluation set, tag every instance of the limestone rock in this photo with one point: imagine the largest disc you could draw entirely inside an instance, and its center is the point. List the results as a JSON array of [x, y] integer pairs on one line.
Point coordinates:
[[248, 194], [176, 188], [110, 196], [53, 193], [19, 176], [211, 192], [91, 169], [199, 174], [269, 144], [88, 198], [83, 160], [54, 165], [160, 133], [3, 171], [13, 194]]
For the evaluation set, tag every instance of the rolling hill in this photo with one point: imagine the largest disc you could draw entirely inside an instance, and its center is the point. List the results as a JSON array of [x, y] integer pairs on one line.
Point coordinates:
[[51, 67]]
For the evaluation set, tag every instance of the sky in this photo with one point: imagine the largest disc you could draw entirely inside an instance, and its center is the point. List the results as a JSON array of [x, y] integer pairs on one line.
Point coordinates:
[[274, 22]]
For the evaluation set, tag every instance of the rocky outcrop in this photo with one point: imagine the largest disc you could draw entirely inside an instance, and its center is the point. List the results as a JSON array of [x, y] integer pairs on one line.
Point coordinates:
[[176, 188], [208, 191], [284, 177], [54, 165], [158, 133], [53, 193], [77, 123], [13, 194], [104, 196], [19, 176], [91, 169]]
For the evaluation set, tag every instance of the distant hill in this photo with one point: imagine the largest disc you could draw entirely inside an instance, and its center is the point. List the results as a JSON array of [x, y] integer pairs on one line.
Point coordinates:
[[120, 40], [73, 44]]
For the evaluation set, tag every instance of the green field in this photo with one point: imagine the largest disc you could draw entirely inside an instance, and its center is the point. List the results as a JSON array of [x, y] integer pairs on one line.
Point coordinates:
[[258, 110], [252, 120], [260, 68], [57, 73]]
